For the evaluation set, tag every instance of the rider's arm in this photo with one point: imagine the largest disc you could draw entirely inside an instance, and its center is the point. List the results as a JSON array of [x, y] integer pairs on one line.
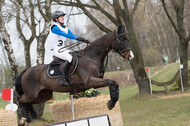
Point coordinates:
[[57, 30], [69, 32]]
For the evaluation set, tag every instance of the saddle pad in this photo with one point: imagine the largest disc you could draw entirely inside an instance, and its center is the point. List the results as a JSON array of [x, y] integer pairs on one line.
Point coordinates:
[[54, 71]]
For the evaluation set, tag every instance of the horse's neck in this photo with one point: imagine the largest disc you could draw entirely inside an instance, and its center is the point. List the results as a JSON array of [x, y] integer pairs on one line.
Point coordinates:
[[99, 48]]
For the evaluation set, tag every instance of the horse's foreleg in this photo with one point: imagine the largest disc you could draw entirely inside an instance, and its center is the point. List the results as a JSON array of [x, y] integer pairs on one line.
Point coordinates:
[[113, 88], [114, 94]]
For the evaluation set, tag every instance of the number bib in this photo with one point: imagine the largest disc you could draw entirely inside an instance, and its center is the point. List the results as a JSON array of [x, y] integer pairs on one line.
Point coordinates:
[[56, 41]]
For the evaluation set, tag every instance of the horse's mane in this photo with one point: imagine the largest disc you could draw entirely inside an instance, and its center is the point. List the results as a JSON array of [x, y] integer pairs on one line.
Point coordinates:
[[98, 41]]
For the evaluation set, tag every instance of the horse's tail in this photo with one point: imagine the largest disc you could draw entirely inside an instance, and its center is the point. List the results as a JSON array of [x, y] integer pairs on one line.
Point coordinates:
[[18, 83], [26, 108]]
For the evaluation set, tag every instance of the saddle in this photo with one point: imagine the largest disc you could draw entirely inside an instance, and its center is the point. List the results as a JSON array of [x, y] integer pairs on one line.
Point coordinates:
[[54, 71]]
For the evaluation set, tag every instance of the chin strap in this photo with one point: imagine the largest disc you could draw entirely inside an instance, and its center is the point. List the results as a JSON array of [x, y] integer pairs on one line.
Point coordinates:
[[61, 23]]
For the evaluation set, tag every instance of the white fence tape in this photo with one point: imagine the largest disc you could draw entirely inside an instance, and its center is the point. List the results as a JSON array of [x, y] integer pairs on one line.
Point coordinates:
[[101, 120]]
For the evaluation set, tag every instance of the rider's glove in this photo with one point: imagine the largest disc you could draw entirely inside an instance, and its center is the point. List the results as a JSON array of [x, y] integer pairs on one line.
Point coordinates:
[[86, 41], [82, 40]]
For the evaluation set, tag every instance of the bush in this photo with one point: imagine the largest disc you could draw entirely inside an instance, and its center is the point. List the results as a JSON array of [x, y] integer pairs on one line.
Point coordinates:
[[87, 93]]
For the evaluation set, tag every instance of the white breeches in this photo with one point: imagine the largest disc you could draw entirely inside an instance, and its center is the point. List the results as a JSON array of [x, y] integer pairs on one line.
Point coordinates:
[[64, 55]]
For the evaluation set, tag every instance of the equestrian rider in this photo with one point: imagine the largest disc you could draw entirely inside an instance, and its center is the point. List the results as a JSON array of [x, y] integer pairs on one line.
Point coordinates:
[[57, 37]]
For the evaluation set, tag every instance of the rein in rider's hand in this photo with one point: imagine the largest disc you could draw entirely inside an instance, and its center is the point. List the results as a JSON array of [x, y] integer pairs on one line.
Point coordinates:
[[82, 39]]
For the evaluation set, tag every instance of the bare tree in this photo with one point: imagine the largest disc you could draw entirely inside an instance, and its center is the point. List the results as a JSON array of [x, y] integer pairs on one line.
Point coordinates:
[[178, 6], [8, 44], [46, 14], [25, 16]]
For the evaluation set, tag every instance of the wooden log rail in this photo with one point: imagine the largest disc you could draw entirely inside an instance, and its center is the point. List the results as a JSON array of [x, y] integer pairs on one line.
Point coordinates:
[[165, 84]]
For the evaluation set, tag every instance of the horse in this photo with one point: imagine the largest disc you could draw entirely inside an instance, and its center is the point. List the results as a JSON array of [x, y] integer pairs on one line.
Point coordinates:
[[34, 86]]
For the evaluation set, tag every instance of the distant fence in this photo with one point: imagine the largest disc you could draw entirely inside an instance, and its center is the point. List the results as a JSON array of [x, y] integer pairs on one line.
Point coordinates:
[[165, 84]]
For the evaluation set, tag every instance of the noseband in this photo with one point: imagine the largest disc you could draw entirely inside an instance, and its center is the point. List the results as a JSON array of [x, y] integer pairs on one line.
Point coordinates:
[[120, 51]]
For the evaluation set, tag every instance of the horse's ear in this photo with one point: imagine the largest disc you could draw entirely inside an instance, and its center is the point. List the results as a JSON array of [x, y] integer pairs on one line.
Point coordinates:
[[121, 29]]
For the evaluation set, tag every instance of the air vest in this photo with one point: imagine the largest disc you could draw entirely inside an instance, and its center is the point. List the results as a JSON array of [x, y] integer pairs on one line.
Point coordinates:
[[56, 41]]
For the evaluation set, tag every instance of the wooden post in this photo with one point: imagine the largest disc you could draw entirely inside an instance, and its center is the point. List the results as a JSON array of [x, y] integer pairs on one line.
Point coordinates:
[[166, 88]]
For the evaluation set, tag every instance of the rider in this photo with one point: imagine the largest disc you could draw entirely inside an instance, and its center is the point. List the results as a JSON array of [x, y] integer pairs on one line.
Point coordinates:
[[57, 37]]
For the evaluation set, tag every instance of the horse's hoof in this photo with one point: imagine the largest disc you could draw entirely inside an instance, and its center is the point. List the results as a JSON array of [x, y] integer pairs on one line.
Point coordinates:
[[22, 122], [110, 105]]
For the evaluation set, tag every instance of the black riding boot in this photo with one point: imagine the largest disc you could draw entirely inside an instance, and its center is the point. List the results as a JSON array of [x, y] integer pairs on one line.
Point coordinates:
[[64, 69]]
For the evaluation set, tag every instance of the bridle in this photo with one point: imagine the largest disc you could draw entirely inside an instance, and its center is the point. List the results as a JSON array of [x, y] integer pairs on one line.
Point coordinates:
[[120, 51]]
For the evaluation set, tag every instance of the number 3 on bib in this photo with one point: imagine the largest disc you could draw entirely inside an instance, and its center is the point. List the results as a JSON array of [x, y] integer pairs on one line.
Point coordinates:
[[60, 43]]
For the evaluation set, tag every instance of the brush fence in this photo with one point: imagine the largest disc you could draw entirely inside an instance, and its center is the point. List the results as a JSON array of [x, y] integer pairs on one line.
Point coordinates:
[[8, 118], [84, 108]]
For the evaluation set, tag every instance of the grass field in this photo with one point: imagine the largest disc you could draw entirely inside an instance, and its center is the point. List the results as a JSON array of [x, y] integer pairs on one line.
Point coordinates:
[[142, 110]]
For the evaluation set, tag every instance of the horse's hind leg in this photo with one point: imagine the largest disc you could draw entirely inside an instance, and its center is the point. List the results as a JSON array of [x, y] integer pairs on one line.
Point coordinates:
[[32, 111], [26, 99], [24, 112], [26, 108]]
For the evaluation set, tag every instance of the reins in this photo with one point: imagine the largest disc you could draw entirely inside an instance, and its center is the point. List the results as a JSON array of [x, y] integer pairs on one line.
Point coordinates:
[[105, 48], [69, 46]]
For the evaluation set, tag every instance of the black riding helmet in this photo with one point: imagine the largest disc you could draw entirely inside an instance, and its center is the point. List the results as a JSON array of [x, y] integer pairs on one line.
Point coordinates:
[[57, 14]]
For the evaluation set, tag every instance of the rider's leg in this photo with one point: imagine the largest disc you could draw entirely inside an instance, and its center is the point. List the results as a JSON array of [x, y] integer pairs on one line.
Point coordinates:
[[64, 66], [64, 69]]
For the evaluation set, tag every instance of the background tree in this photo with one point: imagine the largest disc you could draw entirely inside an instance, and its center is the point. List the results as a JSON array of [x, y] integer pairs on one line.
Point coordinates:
[[33, 17], [7, 44], [179, 26]]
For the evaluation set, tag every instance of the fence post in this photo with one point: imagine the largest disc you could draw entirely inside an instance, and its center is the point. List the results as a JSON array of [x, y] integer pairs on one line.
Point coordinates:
[[181, 67], [148, 70], [72, 106]]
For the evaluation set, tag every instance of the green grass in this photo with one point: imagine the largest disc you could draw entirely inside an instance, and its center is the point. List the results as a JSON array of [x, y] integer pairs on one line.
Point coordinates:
[[152, 111], [166, 73], [3, 103]]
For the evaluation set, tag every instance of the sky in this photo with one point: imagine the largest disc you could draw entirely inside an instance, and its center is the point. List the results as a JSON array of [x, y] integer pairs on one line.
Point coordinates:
[[77, 21]]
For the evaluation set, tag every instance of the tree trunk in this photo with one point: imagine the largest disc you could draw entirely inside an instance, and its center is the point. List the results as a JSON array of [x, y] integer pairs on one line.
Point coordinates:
[[184, 61], [41, 41], [137, 63], [8, 46], [157, 33], [40, 51], [27, 55], [165, 39]]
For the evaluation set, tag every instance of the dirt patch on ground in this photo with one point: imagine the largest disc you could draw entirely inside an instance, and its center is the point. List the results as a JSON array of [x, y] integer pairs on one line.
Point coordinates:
[[175, 96]]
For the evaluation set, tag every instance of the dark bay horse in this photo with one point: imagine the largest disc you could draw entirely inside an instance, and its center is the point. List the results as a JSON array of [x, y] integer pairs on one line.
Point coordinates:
[[34, 86]]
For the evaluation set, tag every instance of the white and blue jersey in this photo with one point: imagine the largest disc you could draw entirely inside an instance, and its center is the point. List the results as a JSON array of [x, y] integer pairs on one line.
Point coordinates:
[[57, 39]]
